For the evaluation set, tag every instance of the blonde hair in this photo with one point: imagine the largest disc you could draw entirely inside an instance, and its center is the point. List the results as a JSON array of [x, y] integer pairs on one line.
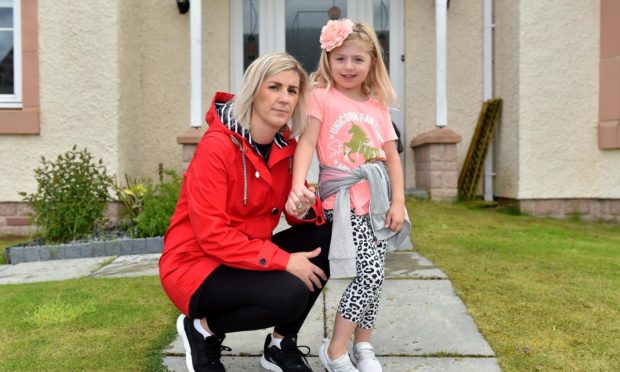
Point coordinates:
[[262, 68], [377, 82]]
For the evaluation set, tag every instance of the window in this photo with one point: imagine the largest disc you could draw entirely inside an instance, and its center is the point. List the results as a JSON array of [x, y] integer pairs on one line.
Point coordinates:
[[10, 55], [19, 71]]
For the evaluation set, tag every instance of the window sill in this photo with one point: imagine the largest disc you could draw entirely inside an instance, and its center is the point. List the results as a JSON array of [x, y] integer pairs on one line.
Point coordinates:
[[25, 121]]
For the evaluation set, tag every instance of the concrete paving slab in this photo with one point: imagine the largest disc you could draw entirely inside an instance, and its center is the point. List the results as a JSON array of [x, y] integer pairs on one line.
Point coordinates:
[[132, 265], [403, 265], [417, 317], [3, 268], [251, 342], [45, 271], [391, 364], [417, 364], [233, 364]]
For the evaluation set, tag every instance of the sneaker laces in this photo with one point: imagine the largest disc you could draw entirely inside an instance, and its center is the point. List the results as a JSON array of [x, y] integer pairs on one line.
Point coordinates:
[[293, 353], [215, 353]]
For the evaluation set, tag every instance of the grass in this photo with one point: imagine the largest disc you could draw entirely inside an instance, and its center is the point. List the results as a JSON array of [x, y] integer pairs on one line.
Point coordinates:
[[90, 324], [544, 293]]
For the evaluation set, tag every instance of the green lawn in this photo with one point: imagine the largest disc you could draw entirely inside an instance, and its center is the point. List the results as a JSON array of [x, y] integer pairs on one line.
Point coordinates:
[[91, 324], [544, 293]]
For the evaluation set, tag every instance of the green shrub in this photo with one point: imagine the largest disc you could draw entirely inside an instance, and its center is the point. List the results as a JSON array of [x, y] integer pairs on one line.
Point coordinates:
[[71, 196], [159, 203]]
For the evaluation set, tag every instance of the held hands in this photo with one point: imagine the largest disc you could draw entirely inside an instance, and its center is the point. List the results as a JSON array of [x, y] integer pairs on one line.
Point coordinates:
[[395, 217], [299, 265], [300, 199]]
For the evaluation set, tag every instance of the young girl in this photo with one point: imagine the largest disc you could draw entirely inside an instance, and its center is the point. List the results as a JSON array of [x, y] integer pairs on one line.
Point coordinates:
[[350, 126]]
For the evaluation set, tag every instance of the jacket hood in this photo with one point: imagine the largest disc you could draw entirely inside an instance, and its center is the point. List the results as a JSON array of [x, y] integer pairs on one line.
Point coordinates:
[[221, 113]]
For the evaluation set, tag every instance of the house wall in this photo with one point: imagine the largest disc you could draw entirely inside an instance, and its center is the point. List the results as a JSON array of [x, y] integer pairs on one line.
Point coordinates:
[[155, 64], [506, 48], [78, 92], [558, 110], [114, 78], [464, 80]]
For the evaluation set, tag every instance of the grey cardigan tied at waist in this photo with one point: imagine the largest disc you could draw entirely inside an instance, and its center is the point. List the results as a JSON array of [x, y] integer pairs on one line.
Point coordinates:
[[337, 181]]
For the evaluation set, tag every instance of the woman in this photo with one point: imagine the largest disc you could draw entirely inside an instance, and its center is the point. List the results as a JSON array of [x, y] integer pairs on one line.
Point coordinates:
[[220, 265]]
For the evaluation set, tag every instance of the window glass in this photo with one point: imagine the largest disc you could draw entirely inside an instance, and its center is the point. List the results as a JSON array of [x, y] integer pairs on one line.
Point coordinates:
[[6, 14], [7, 84], [250, 32], [304, 20], [381, 20]]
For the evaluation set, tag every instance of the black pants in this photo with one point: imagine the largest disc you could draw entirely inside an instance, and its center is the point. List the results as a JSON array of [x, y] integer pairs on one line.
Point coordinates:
[[236, 300]]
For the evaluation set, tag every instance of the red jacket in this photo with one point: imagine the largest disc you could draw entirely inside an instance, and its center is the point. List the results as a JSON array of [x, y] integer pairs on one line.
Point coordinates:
[[212, 224]]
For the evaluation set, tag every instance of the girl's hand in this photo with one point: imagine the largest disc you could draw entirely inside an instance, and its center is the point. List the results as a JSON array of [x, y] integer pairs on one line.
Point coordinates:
[[395, 217], [300, 199]]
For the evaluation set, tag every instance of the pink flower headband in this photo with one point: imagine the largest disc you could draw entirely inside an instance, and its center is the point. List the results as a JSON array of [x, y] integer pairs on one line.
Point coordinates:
[[334, 33]]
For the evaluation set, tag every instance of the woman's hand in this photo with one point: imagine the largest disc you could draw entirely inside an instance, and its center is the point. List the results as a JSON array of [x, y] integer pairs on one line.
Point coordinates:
[[299, 265], [395, 217], [300, 199]]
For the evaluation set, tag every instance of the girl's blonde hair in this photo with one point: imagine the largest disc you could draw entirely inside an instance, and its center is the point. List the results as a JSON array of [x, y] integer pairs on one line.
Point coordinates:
[[377, 82], [262, 68]]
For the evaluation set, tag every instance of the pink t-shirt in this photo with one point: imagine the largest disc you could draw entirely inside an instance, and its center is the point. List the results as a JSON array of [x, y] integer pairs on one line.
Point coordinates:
[[352, 133]]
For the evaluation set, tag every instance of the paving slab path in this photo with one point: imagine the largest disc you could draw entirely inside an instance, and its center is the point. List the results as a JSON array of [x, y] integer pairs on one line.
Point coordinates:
[[420, 319]]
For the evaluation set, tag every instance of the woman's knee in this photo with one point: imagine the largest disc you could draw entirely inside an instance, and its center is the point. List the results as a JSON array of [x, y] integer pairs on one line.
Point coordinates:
[[290, 297]]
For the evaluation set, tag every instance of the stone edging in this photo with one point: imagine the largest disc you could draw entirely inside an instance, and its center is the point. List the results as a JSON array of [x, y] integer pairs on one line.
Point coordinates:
[[125, 246]]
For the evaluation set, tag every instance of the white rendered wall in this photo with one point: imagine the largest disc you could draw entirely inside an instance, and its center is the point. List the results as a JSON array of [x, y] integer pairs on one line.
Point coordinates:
[[558, 109]]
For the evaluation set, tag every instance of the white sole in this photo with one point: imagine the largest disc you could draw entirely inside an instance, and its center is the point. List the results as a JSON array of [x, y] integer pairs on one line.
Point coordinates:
[[268, 365], [188, 351]]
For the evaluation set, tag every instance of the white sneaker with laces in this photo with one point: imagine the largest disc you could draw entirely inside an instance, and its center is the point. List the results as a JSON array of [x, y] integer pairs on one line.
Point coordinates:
[[341, 364], [365, 358]]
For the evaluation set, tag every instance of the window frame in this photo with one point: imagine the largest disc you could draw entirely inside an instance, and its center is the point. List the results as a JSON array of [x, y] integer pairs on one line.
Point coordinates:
[[26, 118], [15, 100]]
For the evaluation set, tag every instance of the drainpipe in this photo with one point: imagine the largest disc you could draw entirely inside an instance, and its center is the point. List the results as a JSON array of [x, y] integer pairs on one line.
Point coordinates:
[[441, 15], [195, 27], [487, 58]]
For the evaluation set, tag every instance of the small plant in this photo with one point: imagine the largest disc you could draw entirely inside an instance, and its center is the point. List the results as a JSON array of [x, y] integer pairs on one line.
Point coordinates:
[[159, 203], [132, 198], [71, 195]]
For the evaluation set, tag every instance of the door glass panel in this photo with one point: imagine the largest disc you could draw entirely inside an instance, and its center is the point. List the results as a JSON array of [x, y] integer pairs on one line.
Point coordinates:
[[304, 20], [381, 14], [250, 32]]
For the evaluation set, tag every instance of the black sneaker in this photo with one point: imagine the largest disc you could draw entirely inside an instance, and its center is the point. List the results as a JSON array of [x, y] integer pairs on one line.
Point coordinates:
[[287, 359], [201, 354]]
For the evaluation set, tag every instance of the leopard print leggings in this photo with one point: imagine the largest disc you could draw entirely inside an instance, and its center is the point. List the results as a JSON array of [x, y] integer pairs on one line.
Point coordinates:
[[360, 301]]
